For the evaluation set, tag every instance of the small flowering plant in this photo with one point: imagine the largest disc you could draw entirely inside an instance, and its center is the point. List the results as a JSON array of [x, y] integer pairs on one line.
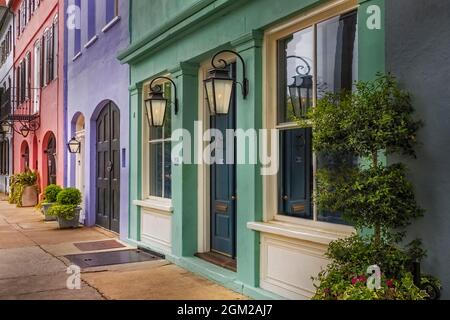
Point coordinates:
[[346, 277]]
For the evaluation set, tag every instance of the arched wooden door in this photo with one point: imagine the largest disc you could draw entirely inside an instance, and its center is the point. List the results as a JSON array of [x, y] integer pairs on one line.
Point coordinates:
[[51, 160], [108, 168], [25, 157]]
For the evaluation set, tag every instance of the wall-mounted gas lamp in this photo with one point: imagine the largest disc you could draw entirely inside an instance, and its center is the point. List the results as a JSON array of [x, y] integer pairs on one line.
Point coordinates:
[[219, 85], [156, 103], [74, 146]]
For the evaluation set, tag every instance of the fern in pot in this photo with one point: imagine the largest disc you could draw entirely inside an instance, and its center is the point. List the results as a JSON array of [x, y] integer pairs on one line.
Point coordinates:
[[67, 208], [50, 198]]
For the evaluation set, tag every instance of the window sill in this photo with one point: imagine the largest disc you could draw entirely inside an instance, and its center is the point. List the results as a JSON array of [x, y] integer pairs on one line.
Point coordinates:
[[77, 56], [164, 205], [316, 235], [91, 42], [111, 24]]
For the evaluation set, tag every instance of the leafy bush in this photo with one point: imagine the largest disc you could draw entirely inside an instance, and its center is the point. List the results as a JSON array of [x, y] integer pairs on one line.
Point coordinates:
[[51, 193], [18, 183], [66, 212], [69, 196], [67, 204], [376, 118]]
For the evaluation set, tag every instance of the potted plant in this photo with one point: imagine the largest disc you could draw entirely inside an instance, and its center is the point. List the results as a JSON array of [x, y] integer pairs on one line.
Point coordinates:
[[67, 208], [377, 199], [50, 198], [24, 189]]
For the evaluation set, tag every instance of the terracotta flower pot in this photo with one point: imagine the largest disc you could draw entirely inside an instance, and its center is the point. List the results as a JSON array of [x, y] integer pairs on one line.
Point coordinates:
[[29, 197]]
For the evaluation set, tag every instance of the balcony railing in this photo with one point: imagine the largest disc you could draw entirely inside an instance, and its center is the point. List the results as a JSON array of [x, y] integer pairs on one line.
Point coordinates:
[[21, 108]]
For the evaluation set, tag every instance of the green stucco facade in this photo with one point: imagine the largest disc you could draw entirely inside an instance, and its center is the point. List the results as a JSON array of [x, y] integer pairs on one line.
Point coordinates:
[[175, 36]]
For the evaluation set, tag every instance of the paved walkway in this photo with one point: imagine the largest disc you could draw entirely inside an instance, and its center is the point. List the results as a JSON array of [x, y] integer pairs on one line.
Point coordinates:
[[33, 267]]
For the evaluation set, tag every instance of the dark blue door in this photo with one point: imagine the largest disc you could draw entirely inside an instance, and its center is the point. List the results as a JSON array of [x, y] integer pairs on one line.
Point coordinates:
[[296, 169], [223, 189]]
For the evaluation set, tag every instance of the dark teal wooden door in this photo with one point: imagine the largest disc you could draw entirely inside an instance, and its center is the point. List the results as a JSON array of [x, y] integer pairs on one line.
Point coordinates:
[[296, 169], [223, 189], [108, 168]]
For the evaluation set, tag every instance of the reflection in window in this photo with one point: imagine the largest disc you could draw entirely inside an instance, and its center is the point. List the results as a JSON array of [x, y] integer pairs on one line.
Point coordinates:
[[319, 59], [160, 149], [296, 69]]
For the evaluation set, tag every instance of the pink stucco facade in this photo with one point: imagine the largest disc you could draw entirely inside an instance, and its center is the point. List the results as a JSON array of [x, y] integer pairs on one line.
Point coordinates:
[[32, 151]]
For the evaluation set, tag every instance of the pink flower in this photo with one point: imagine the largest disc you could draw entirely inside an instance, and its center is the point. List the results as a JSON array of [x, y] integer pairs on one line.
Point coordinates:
[[390, 283]]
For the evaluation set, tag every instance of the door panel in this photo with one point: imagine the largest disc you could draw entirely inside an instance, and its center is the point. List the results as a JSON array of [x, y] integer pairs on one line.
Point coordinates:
[[108, 168], [296, 184], [223, 191]]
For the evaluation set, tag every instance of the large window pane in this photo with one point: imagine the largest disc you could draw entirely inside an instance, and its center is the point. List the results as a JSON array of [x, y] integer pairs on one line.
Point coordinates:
[[167, 170], [156, 168], [337, 53], [337, 60], [295, 69], [295, 197]]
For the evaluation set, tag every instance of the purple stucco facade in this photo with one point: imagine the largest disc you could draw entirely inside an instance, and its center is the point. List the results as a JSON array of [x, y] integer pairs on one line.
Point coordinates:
[[95, 78]]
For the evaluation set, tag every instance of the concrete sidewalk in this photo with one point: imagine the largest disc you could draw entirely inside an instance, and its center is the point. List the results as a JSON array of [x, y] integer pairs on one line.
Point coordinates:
[[33, 267]]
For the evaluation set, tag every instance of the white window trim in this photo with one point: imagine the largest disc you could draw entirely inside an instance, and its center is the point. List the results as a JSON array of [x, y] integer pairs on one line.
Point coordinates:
[[273, 222], [159, 204]]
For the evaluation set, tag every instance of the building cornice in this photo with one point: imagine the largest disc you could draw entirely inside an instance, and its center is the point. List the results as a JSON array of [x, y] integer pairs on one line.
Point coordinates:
[[188, 20]]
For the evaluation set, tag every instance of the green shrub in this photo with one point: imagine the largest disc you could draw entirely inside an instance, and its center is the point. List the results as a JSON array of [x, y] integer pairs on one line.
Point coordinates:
[[18, 183], [69, 196], [51, 193], [67, 203], [66, 212]]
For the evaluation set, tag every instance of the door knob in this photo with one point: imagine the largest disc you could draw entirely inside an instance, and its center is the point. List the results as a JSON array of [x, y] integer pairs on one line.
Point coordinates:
[[285, 198], [234, 198]]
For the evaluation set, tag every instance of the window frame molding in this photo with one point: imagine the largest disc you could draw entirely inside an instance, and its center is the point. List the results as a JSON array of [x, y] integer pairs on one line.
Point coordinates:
[[270, 106]]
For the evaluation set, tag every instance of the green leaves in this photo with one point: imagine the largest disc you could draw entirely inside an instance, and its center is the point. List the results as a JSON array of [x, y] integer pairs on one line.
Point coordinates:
[[51, 193], [66, 212], [377, 196], [18, 183], [69, 196], [377, 116]]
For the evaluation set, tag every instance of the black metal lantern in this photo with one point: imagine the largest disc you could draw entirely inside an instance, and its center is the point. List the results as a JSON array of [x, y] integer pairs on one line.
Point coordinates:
[[156, 103], [74, 146], [301, 89], [24, 131], [219, 85], [5, 127]]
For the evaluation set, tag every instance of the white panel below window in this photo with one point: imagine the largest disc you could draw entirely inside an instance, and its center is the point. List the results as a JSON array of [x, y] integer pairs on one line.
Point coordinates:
[[156, 230], [287, 266]]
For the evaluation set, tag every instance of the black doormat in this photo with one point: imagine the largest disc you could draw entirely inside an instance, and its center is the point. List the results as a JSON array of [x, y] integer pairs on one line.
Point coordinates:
[[110, 258]]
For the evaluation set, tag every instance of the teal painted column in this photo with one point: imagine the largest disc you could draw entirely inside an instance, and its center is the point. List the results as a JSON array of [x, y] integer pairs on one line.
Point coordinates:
[[372, 47], [135, 161], [184, 176], [249, 179], [372, 52]]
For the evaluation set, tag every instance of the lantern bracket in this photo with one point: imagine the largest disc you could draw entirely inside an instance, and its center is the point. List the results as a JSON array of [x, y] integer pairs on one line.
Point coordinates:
[[157, 88], [305, 65], [221, 64]]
